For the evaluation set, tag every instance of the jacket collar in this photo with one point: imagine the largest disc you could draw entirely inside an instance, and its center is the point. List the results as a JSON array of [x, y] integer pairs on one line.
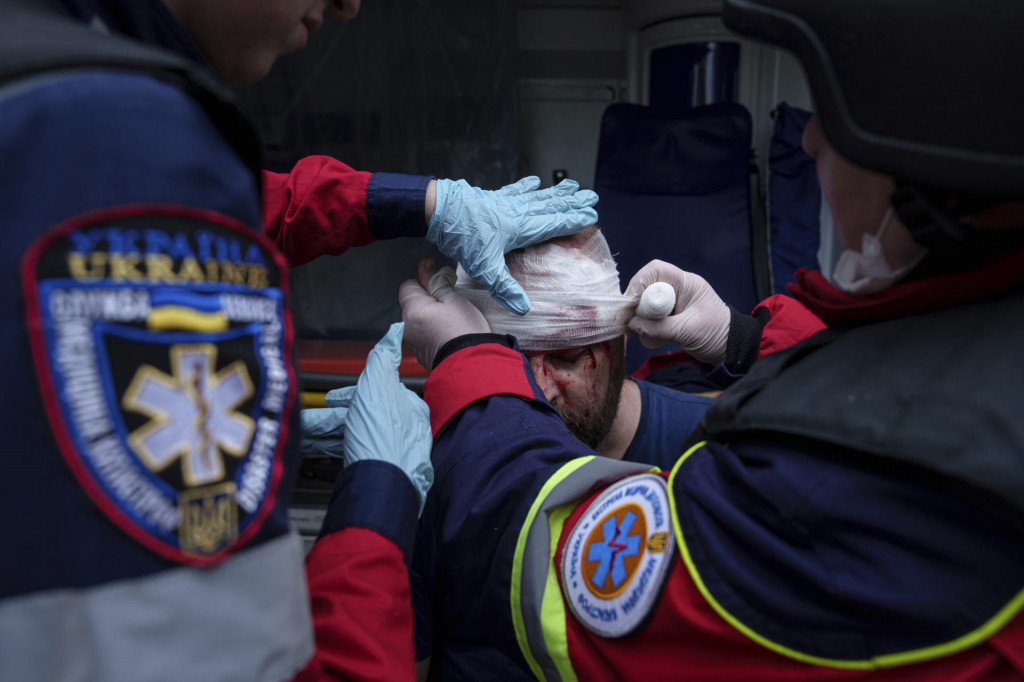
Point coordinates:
[[146, 20], [837, 307]]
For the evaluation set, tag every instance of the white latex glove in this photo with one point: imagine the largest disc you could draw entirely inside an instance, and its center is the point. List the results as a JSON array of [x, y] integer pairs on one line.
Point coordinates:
[[699, 323], [434, 313]]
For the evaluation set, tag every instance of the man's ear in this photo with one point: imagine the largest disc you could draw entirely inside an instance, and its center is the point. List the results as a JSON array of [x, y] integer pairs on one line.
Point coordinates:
[[548, 387]]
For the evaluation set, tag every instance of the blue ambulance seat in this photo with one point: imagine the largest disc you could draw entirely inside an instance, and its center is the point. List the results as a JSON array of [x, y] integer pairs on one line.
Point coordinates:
[[795, 206], [676, 186]]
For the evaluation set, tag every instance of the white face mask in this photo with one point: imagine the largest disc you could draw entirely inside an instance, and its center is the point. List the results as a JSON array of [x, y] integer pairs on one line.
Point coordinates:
[[867, 271]]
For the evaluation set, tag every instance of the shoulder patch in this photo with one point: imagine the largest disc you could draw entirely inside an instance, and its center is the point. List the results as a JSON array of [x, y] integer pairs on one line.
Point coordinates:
[[161, 340], [617, 556]]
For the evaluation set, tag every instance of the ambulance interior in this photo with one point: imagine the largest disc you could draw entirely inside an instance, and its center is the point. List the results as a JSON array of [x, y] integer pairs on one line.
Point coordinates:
[[689, 134]]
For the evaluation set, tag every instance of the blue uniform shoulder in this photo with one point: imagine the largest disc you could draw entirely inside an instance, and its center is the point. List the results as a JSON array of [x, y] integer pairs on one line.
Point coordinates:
[[835, 554], [79, 140], [489, 464]]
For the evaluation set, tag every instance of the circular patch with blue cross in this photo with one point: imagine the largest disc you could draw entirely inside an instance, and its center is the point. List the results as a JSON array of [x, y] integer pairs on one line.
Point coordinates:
[[617, 555], [161, 340]]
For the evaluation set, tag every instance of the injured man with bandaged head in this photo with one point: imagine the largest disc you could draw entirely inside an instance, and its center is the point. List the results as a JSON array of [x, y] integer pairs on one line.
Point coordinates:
[[574, 340]]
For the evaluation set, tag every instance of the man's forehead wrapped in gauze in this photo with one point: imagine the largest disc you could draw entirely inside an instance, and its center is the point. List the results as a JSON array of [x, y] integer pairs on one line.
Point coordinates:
[[573, 284]]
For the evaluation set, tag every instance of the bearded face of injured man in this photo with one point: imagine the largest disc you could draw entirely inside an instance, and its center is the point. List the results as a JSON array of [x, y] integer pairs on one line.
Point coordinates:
[[574, 339], [574, 336], [584, 385]]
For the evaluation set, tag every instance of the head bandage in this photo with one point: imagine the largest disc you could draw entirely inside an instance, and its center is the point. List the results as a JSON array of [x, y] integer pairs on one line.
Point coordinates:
[[573, 286]]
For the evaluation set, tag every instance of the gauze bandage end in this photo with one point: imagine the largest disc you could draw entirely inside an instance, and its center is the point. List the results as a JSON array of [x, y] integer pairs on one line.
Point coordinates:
[[657, 301], [573, 285]]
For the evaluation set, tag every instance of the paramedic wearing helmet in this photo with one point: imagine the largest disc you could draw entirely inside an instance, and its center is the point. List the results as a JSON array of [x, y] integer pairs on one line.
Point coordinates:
[[851, 506], [155, 435]]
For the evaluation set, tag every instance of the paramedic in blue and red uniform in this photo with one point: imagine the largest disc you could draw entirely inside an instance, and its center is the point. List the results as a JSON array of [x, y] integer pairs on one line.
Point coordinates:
[[575, 339], [150, 430], [852, 506]]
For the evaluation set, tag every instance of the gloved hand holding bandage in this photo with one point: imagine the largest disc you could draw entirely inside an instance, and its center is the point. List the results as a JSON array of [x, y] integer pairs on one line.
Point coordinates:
[[435, 312], [699, 322], [657, 301], [478, 227]]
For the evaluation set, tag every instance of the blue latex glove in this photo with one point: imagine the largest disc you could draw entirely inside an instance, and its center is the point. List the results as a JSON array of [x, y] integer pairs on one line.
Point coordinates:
[[323, 428], [478, 227], [386, 421]]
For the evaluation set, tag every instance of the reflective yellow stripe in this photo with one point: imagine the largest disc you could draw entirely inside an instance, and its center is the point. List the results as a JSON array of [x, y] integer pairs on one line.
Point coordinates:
[[992, 626], [552, 611], [518, 622]]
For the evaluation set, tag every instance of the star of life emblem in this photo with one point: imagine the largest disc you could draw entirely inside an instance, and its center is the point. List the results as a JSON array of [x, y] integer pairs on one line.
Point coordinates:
[[163, 348], [617, 556], [193, 413]]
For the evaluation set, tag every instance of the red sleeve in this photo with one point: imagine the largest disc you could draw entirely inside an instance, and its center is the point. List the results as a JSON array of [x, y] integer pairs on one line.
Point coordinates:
[[362, 611], [790, 323], [317, 209]]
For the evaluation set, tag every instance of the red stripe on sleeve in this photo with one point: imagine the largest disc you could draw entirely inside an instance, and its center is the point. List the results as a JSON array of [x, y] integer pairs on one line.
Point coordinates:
[[473, 374]]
